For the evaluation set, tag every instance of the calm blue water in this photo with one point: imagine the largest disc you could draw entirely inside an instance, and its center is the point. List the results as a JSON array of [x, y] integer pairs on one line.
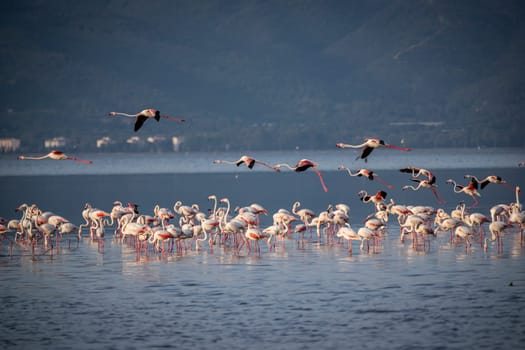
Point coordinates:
[[300, 296]]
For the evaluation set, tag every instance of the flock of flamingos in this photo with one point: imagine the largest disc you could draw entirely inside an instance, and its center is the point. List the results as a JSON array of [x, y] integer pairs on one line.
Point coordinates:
[[185, 227]]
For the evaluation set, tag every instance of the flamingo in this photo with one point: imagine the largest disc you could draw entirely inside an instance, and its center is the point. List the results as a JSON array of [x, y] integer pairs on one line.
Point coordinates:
[[304, 214], [449, 224], [369, 145], [425, 184], [366, 234], [489, 179], [475, 220], [279, 230], [416, 172], [369, 174], [158, 237], [350, 235], [496, 229], [255, 234], [521, 164], [324, 218], [464, 232], [378, 199], [470, 190], [410, 224], [185, 211], [246, 160], [303, 165], [517, 192], [55, 155], [141, 117]]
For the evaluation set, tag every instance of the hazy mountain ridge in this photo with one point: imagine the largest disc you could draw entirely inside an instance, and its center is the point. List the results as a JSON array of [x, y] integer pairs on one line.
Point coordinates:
[[265, 74]]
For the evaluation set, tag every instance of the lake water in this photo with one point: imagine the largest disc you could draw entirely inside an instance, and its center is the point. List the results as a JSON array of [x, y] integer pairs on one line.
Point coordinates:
[[302, 295]]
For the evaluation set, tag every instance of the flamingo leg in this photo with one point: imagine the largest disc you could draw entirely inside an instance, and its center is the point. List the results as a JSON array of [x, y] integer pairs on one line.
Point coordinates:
[[406, 149], [321, 178], [384, 183]]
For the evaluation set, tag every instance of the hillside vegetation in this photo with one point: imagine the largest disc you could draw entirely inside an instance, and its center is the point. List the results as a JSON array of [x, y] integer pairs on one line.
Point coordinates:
[[252, 75]]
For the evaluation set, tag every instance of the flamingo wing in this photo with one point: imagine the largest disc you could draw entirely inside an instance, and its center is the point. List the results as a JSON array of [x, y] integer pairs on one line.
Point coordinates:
[[139, 121], [409, 170], [366, 152]]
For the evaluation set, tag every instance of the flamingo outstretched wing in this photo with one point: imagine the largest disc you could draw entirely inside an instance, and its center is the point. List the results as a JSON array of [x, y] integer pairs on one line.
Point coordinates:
[[139, 121]]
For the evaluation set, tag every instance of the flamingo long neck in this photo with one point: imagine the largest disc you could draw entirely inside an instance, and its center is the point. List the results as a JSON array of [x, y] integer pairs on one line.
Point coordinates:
[[345, 145], [226, 162], [348, 171], [295, 206], [214, 215], [285, 165], [464, 218], [475, 178], [35, 158], [454, 188], [365, 194], [125, 114], [225, 217]]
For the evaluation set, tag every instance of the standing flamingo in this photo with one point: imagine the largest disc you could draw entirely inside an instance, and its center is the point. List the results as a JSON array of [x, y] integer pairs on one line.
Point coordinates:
[[248, 161], [464, 232], [489, 179], [496, 229], [369, 174], [56, 155], [425, 184], [378, 199], [369, 145], [303, 165], [141, 117], [470, 190], [349, 234], [254, 234]]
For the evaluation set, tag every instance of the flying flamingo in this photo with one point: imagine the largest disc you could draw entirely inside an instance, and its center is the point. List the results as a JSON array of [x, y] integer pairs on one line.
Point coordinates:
[[369, 174], [303, 165], [141, 117], [248, 161], [369, 145], [470, 190], [416, 172], [56, 155], [489, 179], [425, 184]]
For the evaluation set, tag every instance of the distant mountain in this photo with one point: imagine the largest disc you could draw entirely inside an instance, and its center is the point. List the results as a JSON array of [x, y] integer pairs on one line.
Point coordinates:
[[252, 75]]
